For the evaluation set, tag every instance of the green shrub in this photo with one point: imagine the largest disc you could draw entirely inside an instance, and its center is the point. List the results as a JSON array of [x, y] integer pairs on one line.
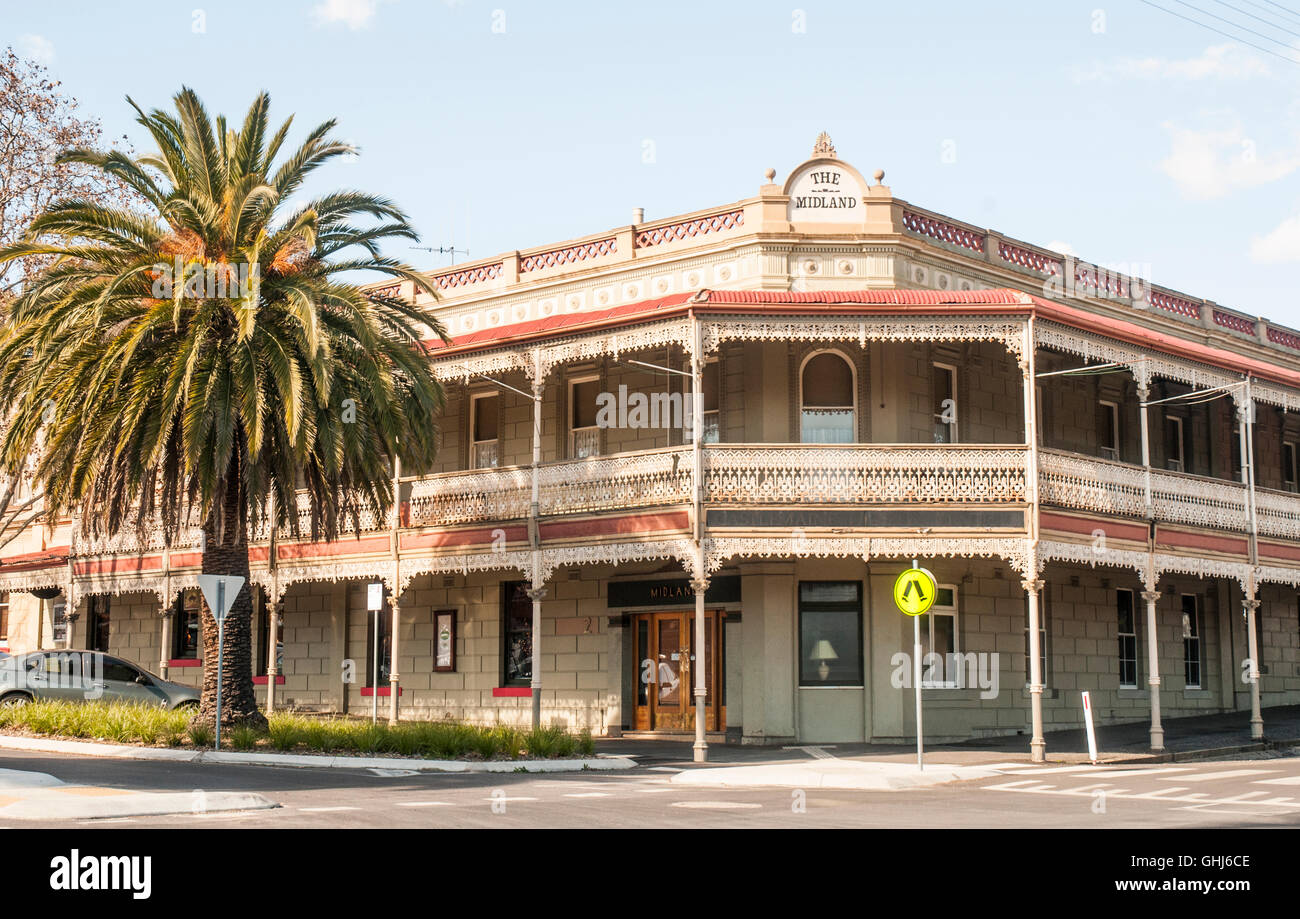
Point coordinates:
[[121, 722]]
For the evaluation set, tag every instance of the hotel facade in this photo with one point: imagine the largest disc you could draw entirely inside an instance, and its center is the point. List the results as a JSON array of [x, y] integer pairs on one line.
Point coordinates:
[[1101, 474]]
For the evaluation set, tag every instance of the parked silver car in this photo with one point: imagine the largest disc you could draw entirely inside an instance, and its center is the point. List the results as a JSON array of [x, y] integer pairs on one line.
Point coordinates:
[[86, 676]]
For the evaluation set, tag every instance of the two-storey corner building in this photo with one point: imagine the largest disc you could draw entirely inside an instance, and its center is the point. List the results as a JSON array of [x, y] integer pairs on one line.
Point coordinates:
[[1101, 474]]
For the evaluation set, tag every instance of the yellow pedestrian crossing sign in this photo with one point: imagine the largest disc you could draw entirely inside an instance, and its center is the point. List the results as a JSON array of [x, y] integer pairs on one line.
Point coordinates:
[[914, 591]]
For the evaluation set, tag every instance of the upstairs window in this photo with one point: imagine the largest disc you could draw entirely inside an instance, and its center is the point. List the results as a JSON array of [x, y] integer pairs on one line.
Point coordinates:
[[944, 390], [1108, 429], [484, 434], [827, 405], [1288, 466], [584, 434], [709, 377], [1175, 454]]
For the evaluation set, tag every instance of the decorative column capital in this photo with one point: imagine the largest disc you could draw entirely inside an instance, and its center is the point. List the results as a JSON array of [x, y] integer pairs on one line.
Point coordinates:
[[394, 599], [699, 585], [1151, 596], [1250, 606], [1032, 585], [537, 594]]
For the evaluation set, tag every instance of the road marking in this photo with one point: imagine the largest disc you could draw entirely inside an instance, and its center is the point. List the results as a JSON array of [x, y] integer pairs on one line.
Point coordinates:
[[716, 805], [663, 769], [816, 751], [1163, 791], [322, 810], [1287, 780], [1139, 771], [424, 804], [653, 791], [605, 794], [1013, 785], [1249, 794], [504, 798], [1211, 776]]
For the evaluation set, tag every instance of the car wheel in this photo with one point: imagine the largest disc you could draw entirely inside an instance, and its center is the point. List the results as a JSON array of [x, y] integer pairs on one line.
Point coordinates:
[[15, 698]]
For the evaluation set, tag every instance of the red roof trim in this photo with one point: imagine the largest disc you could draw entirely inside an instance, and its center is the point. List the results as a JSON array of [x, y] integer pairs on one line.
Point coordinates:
[[34, 561], [1001, 300]]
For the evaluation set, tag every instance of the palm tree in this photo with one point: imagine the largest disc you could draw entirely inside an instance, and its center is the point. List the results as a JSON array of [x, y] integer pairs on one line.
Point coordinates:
[[156, 397]]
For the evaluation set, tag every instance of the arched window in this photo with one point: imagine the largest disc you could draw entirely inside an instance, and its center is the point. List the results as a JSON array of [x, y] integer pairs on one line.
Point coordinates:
[[827, 403]]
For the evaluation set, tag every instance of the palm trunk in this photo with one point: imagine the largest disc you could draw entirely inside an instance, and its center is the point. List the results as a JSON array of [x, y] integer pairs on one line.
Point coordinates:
[[229, 556]]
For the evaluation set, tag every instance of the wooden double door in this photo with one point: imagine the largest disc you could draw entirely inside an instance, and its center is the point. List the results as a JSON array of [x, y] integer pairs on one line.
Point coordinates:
[[666, 662]]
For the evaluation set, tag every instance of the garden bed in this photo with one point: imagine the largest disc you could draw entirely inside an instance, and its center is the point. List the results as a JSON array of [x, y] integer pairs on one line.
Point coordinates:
[[148, 726]]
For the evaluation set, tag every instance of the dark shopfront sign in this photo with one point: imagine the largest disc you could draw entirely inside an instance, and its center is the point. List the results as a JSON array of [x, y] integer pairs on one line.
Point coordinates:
[[671, 592]]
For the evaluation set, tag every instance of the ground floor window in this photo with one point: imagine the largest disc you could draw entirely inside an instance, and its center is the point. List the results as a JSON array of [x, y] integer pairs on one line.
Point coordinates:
[[516, 634], [385, 614], [98, 623], [1191, 642], [264, 638], [59, 620], [939, 636], [1128, 655], [830, 633], [4, 615], [185, 635]]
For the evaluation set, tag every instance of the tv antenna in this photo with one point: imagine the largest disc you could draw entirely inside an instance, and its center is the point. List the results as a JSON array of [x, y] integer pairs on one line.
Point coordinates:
[[443, 250]]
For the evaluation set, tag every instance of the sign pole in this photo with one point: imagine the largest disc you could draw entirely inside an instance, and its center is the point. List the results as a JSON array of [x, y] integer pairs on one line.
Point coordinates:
[[221, 649], [374, 665], [915, 591], [375, 603], [916, 677], [219, 600]]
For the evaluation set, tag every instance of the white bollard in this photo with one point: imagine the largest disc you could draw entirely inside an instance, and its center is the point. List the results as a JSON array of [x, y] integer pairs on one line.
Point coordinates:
[[1087, 720]]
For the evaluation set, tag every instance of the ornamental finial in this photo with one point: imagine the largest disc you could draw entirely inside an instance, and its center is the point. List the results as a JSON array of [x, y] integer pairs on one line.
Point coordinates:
[[824, 147]]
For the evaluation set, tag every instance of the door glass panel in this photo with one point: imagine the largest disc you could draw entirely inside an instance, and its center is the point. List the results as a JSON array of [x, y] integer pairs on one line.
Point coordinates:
[[643, 676], [670, 666]]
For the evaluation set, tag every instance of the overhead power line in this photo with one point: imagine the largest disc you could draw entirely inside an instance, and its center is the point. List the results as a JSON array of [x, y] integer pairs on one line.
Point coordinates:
[[1289, 60]]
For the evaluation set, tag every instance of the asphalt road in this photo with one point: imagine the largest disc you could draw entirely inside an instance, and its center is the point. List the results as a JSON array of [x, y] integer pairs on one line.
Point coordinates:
[[1259, 791]]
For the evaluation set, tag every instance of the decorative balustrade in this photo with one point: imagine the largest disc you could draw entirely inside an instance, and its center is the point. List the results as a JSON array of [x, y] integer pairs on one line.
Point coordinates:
[[567, 255], [1107, 487], [483, 495], [877, 474], [1234, 322], [943, 231], [1277, 513], [132, 540], [791, 474], [686, 229], [464, 276], [647, 478]]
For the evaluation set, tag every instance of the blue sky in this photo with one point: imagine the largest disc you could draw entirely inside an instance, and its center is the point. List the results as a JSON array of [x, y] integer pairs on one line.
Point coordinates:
[[1116, 130]]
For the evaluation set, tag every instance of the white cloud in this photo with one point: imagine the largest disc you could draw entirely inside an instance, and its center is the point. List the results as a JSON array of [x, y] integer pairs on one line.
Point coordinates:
[[1062, 247], [36, 47], [1209, 164], [1282, 244], [355, 14], [1225, 62]]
